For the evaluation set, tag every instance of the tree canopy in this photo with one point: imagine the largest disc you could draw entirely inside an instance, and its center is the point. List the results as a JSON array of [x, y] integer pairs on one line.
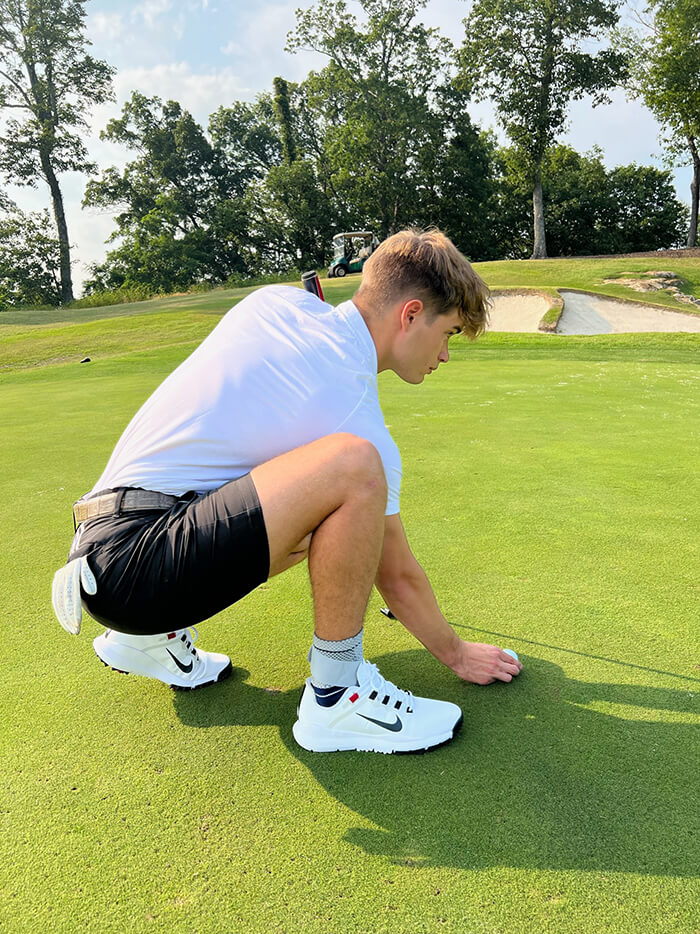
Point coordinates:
[[528, 56], [373, 105], [48, 83], [29, 258], [666, 75], [378, 138], [180, 215]]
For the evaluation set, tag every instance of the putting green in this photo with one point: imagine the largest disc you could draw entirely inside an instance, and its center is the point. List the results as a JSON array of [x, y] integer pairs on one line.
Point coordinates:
[[551, 493]]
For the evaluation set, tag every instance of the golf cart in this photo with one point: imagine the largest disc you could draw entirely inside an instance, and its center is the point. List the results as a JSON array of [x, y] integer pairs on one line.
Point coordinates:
[[350, 250]]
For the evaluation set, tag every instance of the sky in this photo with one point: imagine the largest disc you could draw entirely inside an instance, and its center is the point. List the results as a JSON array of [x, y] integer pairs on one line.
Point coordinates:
[[208, 53]]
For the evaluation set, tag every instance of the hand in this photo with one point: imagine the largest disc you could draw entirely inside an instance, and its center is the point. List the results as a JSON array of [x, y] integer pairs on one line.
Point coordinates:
[[65, 593], [483, 664]]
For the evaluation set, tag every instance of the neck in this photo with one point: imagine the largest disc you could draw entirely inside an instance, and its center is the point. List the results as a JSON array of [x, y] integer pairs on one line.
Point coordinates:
[[381, 329]]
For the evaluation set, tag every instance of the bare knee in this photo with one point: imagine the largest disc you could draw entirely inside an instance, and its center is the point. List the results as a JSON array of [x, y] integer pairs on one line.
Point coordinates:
[[360, 465]]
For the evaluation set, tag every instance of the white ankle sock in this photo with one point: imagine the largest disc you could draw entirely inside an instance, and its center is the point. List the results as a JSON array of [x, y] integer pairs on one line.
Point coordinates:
[[335, 663]]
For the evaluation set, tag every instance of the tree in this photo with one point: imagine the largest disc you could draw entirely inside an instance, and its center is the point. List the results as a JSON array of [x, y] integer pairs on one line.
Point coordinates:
[[644, 213], [47, 75], [590, 210], [371, 106], [181, 216], [666, 75], [294, 214], [29, 258], [460, 194], [527, 56]]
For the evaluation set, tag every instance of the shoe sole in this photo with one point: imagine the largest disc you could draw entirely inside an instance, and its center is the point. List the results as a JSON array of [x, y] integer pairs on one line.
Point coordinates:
[[349, 742], [222, 676]]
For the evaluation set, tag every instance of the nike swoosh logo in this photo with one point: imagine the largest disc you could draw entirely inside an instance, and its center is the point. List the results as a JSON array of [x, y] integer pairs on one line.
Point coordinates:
[[186, 668], [395, 727]]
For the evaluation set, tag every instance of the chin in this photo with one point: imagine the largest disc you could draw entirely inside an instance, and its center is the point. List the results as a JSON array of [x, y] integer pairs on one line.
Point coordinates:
[[413, 378]]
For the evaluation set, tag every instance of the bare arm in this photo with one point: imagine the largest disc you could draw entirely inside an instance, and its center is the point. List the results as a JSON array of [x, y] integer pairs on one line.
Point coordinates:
[[404, 585]]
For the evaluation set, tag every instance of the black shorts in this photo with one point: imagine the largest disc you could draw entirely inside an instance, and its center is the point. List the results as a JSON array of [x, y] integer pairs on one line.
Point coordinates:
[[158, 570]]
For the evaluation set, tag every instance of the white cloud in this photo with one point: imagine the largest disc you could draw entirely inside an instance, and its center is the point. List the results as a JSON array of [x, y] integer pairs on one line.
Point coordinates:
[[259, 48], [150, 11], [232, 48], [107, 26], [199, 92]]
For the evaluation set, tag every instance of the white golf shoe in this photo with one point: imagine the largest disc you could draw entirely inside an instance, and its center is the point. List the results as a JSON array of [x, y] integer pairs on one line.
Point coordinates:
[[170, 657], [373, 716]]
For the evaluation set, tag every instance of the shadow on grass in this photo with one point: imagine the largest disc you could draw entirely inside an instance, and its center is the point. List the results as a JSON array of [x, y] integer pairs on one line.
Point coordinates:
[[536, 779], [560, 648]]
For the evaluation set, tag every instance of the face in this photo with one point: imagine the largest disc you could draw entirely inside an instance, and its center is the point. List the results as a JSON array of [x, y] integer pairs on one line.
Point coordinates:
[[423, 342]]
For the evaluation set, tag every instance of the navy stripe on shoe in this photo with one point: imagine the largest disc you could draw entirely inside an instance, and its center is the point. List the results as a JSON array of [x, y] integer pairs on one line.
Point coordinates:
[[328, 697]]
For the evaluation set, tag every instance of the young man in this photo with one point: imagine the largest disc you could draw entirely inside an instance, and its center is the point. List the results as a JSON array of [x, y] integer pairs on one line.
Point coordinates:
[[268, 446]]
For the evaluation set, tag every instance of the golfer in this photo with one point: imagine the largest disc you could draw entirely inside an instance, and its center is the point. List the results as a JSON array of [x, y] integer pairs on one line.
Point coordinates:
[[267, 446]]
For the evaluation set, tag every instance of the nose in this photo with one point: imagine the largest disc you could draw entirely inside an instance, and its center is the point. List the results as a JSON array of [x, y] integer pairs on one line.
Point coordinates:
[[444, 354]]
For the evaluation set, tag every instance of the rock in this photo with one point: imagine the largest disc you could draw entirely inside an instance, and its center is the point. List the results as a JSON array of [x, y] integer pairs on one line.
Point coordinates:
[[661, 281]]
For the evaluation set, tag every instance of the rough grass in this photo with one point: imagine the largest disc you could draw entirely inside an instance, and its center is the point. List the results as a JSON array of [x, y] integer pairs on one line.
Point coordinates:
[[550, 491], [588, 275]]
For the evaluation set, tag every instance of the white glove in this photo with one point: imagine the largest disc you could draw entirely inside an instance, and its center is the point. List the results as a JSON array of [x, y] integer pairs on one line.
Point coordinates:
[[65, 593]]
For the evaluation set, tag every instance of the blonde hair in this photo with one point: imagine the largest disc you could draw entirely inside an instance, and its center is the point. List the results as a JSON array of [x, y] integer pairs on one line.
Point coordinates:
[[425, 264]]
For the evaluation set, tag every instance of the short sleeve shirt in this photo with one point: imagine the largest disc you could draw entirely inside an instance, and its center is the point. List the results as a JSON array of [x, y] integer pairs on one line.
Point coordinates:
[[281, 369]]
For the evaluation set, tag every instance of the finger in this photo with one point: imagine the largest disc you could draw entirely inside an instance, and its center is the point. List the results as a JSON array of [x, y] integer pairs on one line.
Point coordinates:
[[87, 578], [503, 676], [509, 660]]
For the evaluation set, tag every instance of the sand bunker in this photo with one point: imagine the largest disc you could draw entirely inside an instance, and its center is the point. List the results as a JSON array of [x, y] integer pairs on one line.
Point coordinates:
[[585, 314], [590, 314], [517, 312]]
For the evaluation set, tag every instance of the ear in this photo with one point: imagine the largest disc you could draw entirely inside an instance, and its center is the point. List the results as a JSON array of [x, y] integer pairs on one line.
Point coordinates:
[[410, 311]]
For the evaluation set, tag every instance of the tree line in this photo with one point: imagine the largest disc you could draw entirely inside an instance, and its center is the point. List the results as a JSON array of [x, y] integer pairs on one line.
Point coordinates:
[[379, 138]]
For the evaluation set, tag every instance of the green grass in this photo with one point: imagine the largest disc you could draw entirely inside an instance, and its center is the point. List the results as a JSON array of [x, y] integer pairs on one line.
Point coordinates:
[[550, 490], [31, 338], [588, 275], [544, 275]]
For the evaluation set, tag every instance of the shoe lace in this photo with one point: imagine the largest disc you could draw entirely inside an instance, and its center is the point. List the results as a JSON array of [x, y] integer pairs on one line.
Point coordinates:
[[189, 636], [382, 689]]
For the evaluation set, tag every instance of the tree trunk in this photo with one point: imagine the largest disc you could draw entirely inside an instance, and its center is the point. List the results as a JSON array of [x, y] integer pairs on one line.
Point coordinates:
[[694, 193], [61, 226], [539, 249]]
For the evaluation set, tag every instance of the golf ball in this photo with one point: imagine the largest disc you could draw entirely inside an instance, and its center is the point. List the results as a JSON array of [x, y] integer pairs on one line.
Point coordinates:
[[511, 652]]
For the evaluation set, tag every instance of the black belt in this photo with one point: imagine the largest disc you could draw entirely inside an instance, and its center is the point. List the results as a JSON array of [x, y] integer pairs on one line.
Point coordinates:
[[109, 504]]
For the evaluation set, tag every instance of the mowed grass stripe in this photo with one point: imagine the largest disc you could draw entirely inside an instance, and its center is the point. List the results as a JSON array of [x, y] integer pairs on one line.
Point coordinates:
[[550, 493], [100, 339]]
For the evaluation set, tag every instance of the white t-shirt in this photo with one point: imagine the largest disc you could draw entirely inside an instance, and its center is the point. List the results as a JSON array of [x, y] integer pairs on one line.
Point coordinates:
[[280, 369]]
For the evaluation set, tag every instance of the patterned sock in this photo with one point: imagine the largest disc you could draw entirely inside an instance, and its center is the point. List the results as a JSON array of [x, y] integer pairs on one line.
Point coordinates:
[[334, 665]]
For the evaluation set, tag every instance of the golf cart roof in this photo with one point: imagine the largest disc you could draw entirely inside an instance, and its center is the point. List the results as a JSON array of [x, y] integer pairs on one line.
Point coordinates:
[[354, 233]]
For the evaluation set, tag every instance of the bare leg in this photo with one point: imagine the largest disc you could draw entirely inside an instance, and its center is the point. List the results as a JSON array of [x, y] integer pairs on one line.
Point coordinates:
[[334, 491]]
